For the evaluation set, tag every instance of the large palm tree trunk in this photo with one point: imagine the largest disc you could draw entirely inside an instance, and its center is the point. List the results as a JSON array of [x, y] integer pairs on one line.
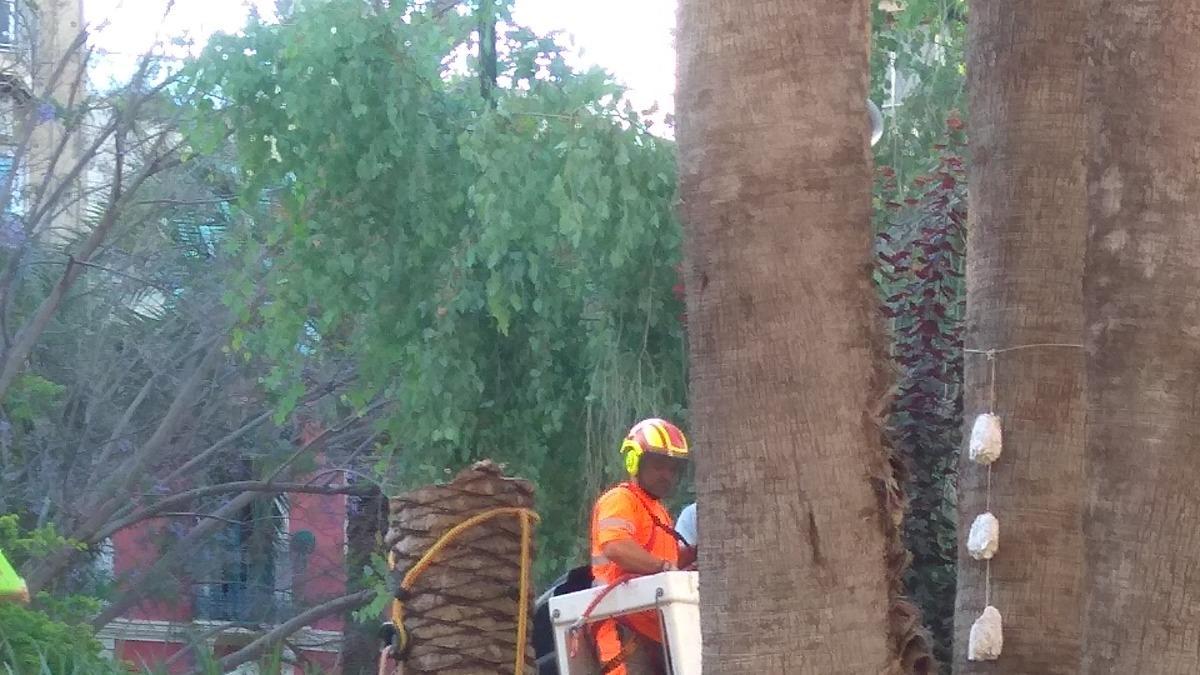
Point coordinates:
[[1026, 239], [1142, 288], [775, 184], [462, 614]]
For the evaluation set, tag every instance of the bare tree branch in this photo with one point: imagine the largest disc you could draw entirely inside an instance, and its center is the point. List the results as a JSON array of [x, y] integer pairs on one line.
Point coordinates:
[[48, 171], [187, 202], [208, 453], [281, 632], [196, 640], [325, 434], [220, 445], [193, 514], [158, 508], [27, 337], [119, 273], [132, 468], [119, 430], [134, 592], [108, 495], [106, 499]]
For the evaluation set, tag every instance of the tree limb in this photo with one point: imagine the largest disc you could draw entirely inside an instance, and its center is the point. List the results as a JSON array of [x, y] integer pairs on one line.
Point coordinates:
[[158, 509], [104, 503], [210, 451], [207, 454], [187, 202], [182, 403], [27, 337], [197, 640], [194, 514], [280, 633], [135, 592], [117, 487]]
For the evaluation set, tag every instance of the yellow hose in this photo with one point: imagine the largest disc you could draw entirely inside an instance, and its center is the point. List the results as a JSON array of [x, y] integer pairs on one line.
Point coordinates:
[[528, 518]]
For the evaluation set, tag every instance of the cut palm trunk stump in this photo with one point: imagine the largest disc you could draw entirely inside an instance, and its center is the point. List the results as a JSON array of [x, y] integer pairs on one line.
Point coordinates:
[[461, 612]]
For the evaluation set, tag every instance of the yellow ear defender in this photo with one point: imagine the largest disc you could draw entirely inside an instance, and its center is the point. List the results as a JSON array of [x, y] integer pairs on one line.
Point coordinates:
[[633, 457]]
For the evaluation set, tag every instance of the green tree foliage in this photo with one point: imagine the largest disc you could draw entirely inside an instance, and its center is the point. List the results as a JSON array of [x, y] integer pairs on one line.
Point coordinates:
[[31, 642], [501, 269], [49, 639], [918, 72]]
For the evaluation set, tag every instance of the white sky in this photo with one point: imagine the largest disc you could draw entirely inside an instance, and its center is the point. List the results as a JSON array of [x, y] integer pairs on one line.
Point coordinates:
[[631, 38], [634, 39]]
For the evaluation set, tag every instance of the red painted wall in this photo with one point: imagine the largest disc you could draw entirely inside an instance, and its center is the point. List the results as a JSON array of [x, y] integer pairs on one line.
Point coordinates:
[[134, 549], [317, 575]]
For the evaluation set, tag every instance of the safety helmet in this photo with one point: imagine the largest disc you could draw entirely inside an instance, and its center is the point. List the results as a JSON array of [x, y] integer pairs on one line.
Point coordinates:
[[655, 436]]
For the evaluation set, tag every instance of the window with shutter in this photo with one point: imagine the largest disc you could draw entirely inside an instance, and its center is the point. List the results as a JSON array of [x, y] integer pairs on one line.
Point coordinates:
[[8, 23]]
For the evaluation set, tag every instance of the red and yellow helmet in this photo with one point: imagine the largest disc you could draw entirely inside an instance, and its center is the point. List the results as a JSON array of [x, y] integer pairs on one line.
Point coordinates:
[[655, 436]]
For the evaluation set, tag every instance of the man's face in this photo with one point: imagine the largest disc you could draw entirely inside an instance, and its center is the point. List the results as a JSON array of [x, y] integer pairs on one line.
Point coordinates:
[[658, 474]]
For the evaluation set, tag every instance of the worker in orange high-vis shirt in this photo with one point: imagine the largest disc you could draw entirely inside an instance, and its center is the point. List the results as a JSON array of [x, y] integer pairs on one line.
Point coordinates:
[[633, 534]]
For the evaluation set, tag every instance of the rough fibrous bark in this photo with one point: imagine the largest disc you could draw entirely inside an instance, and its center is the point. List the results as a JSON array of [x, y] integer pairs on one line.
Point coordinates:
[[1024, 266], [795, 492], [1142, 307], [461, 614]]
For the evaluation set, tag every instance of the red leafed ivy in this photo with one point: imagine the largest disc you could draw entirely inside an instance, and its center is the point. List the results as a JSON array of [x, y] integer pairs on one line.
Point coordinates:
[[920, 250]]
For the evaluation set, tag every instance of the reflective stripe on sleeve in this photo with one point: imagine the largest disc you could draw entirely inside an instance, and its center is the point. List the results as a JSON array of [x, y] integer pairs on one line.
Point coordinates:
[[616, 524]]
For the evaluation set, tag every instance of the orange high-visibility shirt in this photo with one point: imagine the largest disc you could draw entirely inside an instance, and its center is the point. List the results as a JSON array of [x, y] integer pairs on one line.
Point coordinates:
[[629, 512]]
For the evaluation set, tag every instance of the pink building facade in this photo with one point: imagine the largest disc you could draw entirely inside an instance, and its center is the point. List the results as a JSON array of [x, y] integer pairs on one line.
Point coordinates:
[[279, 558]]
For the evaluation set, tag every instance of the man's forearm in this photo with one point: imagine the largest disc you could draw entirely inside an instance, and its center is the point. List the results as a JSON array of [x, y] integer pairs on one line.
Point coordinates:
[[633, 558]]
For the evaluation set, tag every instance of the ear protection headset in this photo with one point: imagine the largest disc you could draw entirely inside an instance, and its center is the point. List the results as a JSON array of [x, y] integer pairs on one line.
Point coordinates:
[[633, 457]]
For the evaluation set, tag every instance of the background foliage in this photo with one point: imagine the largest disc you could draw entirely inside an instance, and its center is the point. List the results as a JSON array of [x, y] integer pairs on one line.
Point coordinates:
[[50, 640], [921, 255], [918, 71], [499, 267]]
